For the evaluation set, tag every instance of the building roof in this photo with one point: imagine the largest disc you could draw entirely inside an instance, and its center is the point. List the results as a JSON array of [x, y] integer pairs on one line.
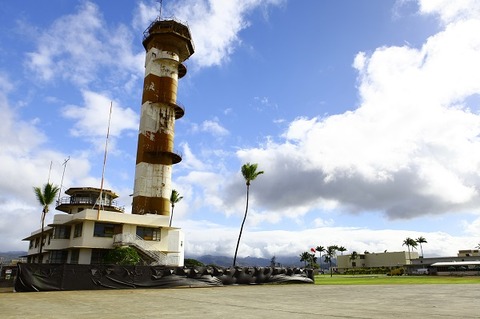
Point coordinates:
[[74, 190], [455, 263]]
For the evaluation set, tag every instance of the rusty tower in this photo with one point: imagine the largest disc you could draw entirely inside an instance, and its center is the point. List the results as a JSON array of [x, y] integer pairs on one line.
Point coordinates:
[[168, 44]]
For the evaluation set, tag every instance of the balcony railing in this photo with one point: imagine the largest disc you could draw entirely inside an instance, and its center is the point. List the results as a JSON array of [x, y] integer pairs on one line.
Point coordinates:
[[69, 200]]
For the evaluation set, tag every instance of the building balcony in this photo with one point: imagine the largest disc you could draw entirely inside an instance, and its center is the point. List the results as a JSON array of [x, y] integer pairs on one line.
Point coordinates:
[[65, 204]]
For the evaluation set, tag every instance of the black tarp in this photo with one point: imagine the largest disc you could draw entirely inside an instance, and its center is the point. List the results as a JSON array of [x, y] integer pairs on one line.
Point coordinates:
[[51, 277]]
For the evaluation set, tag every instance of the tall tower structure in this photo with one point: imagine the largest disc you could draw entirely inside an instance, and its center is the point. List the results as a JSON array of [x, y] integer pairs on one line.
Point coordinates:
[[168, 44]]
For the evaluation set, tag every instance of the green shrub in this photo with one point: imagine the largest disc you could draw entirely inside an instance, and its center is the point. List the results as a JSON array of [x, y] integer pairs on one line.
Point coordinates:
[[123, 256]]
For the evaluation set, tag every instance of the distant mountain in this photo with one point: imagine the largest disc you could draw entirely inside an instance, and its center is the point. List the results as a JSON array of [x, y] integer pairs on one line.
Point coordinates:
[[225, 261], [6, 257]]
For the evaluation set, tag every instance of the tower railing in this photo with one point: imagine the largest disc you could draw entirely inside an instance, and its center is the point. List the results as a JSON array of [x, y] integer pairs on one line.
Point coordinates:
[[180, 27]]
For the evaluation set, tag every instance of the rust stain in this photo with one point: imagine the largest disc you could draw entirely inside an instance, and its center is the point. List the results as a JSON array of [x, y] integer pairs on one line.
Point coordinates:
[[159, 89], [155, 151], [151, 205]]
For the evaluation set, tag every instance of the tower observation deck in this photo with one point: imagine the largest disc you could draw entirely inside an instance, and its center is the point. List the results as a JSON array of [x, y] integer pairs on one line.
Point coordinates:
[[168, 44]]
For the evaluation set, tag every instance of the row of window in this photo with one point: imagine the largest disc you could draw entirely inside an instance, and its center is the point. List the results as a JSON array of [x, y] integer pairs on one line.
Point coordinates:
[[35, 243], [100, 230], [61, 256]]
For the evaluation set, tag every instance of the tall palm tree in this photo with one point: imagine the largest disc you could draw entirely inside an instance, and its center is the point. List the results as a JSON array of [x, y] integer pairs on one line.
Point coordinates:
[[45, 197], [320, 249], [249, 172], [421, 240], [409, 242], [342, 249], [174, 198], [352, 258], [330, 253]]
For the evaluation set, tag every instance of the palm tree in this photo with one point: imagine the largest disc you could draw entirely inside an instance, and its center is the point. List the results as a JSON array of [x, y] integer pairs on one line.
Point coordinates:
[[341, 249], [409, 242], [305, 257], [174, 198], [478, 246], [330, 253], [320, 249], [352, 258], [45, 197], [421, 240], [249, 172]]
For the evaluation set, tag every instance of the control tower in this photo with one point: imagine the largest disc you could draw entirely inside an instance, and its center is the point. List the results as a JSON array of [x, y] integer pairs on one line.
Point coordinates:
[[168, 44]]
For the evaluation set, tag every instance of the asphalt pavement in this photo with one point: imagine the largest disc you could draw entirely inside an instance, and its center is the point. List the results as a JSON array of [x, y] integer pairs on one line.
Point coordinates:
[[253, 301]]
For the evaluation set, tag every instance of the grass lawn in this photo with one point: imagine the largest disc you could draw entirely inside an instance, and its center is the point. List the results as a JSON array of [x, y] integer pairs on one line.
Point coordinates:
[[393, 280]]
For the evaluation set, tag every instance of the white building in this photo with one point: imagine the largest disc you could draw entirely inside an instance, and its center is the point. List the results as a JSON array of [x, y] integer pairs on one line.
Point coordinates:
[[86, 231]]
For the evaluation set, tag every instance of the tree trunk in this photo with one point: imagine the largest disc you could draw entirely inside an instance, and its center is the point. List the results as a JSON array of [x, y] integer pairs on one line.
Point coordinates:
[[241, 230], [171, 217], [40, 257]]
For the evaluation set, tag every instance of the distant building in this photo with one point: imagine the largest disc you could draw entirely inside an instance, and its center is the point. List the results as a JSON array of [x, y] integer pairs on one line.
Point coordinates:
[[467, 262], [92, 227], [469, 253], [375, 260]]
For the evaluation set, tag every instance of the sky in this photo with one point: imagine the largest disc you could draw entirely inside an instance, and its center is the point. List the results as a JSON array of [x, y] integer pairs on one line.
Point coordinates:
[[363, 114]]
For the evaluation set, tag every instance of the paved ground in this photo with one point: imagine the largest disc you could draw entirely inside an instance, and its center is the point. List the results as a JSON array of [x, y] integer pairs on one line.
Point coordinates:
[[274, 301]]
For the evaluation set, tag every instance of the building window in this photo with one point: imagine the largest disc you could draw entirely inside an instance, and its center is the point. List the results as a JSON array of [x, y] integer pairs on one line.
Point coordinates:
[[37, 240], [148, 233], [103, 230], [31, 243], [58, 256], [74, 255], [98, 256], [62, 232], [77, 230]]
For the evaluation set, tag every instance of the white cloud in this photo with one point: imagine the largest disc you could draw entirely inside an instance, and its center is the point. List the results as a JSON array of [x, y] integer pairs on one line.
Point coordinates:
[[190, 161], [92, 118], [144, 14], [216, 25], [26, 136], [78, 46], [266, 244], [214, 128], [472, 227], [412, 147], [449, 11], [26, 159]]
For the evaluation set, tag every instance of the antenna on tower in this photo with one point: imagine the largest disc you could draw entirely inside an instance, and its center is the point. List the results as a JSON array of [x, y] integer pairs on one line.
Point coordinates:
[[160, 9], [63, 175], [100, 198], [49, 172]]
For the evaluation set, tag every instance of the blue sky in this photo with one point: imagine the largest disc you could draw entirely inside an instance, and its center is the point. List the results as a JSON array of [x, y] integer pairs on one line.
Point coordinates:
[[364, 116]]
